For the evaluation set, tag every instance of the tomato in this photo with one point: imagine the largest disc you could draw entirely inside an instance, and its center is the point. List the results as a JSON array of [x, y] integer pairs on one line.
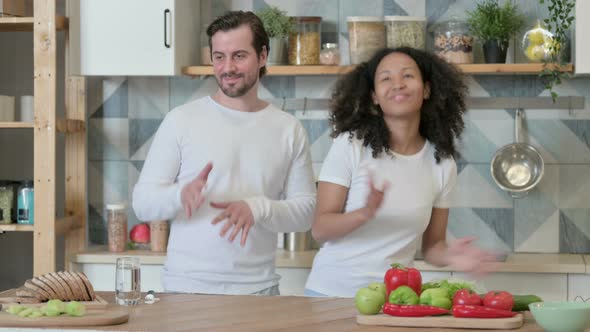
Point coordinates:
[[498, 300], [466, 297]]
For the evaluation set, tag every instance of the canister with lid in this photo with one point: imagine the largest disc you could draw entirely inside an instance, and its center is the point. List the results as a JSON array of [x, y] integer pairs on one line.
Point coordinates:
[[330, 55], [366, 35], [407, 31], [117, 226], [7, 200], [26, 203], [453, 42], [304, 41]]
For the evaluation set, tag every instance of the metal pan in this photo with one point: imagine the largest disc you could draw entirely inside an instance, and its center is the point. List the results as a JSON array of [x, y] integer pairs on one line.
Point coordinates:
[[517, 167]]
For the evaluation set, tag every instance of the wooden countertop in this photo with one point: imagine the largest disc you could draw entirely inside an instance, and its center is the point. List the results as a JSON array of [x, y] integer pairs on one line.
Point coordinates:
[[515, 262], [189, 312]]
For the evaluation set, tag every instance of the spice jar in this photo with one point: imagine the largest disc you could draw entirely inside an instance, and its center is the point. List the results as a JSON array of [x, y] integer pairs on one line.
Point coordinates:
[[453, 42], [330, 55], [26, 203], [205, 50], [366, 36], [159, 235], [117, 226], [6, 202], [407, 31], [304, 41]]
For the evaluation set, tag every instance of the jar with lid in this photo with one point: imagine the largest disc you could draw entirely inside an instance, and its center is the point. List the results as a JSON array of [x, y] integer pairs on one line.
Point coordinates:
[[304, 40], [453, 42], [159, 235], [407, 31], [7, 199], [366, 35], [26, 203], [205, 50], [330, 55], [117, 226]]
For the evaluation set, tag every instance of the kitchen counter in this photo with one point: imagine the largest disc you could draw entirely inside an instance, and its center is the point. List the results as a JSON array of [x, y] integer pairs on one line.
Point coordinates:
[[189, 312], [515, 262]]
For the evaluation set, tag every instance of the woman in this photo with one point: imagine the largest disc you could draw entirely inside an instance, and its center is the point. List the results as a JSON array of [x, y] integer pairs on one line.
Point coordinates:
[[387, 179]]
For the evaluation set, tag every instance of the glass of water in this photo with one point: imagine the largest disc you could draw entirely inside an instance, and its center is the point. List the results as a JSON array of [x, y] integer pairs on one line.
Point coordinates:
[[128, 281]]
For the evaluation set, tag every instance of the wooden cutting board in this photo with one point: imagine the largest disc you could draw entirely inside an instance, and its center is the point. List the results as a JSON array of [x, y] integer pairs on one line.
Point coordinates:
[[111, 315], [443, 321]]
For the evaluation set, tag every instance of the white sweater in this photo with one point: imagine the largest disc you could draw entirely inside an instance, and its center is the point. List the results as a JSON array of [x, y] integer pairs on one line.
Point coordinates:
[[260, 157]]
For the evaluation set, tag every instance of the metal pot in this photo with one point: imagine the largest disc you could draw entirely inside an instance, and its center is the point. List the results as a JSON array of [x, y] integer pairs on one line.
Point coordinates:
[[517, 167]]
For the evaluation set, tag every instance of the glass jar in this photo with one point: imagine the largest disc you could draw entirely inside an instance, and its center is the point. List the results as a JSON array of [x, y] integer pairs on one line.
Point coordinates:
[[7, 197], [304, 41], [453, 42], [159, 235], [407, 31], [537, 43], [330, 55], [117, 226], [366, 36], [205, 50], [26, 203]]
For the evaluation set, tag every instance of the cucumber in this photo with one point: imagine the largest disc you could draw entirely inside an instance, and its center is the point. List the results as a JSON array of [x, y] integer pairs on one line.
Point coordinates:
[[521, 302]]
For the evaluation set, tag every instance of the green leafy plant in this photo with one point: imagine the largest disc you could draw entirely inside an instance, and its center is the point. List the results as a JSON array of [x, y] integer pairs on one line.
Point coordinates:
[[559, 21], [490, 21], [276, 22]]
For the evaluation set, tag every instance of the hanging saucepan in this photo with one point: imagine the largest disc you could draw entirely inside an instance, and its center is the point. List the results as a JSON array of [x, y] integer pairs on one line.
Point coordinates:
[[517, 167]]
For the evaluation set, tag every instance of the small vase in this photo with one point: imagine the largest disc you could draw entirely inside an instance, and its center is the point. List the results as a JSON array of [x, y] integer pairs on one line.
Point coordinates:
[[494, 51], [278, 51]]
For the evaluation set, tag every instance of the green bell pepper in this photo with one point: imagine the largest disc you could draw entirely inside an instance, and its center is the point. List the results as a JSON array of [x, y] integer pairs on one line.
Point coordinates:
[[438, 297], [404, 295]]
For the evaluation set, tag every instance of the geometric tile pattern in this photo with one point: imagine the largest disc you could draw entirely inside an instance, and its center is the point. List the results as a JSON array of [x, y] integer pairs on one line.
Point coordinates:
[[554, 217]]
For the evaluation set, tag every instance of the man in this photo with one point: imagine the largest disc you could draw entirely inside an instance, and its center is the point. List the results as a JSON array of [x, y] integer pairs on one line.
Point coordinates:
[[230, 171]]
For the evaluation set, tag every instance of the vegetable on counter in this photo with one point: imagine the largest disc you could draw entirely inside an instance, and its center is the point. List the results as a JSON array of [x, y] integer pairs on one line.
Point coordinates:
[[476, 311], [451, 286], [437, 297], [466, 296], [521, 302], [404, 295], [399, 275], [498, 300], [412, 310]]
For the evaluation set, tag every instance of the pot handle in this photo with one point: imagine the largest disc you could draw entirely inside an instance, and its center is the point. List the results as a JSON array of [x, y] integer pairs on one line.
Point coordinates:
[[518, 124]]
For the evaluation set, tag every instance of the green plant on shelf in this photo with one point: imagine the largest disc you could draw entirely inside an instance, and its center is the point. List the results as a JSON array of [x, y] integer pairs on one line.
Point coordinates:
[[560, 19]]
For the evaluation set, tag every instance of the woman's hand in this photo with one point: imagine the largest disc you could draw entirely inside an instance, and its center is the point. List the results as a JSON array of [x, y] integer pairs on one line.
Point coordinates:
[[462, 255], [374, 199]]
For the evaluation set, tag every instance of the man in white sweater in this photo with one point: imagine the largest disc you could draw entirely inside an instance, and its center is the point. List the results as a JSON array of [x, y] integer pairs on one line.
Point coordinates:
[[229, 171]]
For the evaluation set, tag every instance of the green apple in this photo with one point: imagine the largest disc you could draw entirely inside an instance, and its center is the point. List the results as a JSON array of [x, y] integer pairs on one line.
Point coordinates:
[[369, 301], [380, 287]]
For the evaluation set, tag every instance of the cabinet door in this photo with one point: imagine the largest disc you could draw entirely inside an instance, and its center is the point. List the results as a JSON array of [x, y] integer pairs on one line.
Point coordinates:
[[582, 47], [133, 37]]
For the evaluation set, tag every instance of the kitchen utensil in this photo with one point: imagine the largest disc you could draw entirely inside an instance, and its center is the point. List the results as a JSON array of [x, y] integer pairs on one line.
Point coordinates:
[[443, 321], [298, 241], [517, 167], [561, 316], [127, 281]]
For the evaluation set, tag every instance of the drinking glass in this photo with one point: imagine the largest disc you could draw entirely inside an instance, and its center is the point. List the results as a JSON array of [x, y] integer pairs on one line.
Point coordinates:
[[128, 281]]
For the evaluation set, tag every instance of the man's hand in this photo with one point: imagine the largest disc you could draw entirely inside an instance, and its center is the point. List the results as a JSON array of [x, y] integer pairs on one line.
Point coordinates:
[[238, 215], [191, 195]]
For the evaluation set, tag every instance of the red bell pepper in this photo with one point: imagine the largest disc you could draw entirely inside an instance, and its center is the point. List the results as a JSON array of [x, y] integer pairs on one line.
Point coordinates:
[[399, 275], [417, 310], [476, 311]]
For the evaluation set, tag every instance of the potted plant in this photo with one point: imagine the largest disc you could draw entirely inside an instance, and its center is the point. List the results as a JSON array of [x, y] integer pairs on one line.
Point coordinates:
[[495, 25], [278, 26]]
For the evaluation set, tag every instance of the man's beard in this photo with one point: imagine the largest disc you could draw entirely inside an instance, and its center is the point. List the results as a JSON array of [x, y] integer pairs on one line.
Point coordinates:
[[229, 91]]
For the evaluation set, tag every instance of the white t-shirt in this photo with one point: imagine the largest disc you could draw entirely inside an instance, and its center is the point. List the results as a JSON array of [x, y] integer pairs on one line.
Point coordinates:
[[417, 184], [261, 157]]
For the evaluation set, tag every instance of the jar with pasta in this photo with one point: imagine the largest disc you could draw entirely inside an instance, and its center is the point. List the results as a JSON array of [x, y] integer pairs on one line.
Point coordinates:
[[366, 35], [305, 41], [407, 31], [453, 42], [117, 226]]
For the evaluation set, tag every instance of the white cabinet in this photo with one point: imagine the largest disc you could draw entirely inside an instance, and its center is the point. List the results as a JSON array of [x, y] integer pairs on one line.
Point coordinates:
[[133, 37], [582, 46]]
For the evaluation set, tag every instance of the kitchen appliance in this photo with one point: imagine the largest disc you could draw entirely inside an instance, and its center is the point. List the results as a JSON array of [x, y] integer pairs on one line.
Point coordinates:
[[518, 167]]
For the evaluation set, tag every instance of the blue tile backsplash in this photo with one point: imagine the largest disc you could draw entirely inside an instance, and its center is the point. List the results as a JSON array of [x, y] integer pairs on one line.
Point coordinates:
[[554, 217]]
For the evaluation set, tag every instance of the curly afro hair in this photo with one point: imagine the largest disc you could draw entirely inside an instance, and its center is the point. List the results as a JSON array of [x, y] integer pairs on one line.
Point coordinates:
[[441, 115]]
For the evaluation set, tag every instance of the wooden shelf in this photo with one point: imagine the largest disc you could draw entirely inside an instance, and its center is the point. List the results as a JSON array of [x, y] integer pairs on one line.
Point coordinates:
[[26, 23], [16, 228], [473, 69], [16, 125]]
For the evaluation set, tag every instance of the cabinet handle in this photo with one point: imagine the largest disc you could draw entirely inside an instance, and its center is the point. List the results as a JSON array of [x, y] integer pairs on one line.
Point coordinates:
[[167, 28]]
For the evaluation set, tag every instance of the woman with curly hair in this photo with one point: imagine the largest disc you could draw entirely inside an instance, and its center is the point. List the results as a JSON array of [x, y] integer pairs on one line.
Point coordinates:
[[387, 178]]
